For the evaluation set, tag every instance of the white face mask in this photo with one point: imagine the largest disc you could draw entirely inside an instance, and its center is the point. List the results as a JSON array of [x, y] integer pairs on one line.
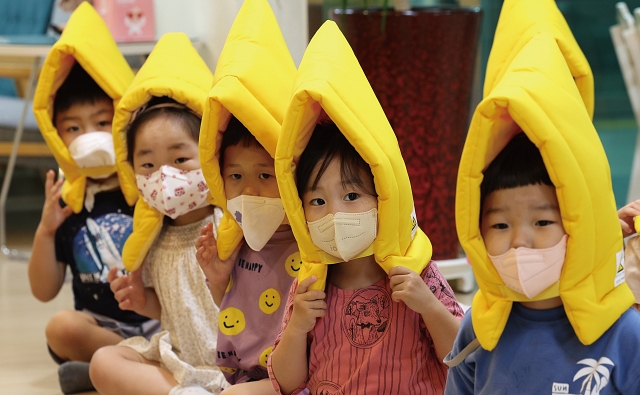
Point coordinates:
[[93, 149], [345, 235], [530, 271], [172, 191], [259, 218]]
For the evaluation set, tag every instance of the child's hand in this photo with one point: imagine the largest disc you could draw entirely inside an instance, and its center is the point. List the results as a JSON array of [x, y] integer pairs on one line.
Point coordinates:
[[409, 287], [307, 306], [626, 215], [215, 269], [128, 289], [52, 214]]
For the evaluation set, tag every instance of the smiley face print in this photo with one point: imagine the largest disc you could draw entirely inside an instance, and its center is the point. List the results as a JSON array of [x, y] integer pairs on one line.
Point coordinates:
[[293, 263], [228, 370], [264, 356], [231, 321], [269, 301], [229, 285]]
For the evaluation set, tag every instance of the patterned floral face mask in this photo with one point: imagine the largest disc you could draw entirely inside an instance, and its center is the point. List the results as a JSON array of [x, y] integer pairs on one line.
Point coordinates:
[[172, 191]]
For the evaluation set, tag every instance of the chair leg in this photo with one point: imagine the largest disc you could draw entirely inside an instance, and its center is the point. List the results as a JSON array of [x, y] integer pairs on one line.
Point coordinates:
[[6, 183]]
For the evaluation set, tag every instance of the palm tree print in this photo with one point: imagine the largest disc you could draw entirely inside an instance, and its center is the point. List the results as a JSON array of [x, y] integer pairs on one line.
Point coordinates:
[[596, 375]]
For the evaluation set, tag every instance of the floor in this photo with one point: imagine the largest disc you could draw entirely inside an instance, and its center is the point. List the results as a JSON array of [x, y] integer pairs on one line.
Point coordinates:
[[26, 367]]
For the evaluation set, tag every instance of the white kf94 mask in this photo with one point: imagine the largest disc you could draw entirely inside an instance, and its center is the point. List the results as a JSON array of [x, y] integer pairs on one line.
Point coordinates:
[[259, 217], [93, 149], [345, 235]]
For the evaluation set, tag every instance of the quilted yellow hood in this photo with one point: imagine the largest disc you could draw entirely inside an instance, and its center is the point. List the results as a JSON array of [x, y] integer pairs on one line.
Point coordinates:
[[537, 95], [330, 79], [519, 21], [252, 81], [86, 40], [173, 69]]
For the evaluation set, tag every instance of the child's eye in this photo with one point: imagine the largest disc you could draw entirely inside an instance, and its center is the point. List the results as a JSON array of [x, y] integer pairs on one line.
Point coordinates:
[[147, 165], [180, 160], [544, 222], [500, 226], [351, 196], [235, 176], [317, 202], [104, 123], [264, 176], [73, 129]]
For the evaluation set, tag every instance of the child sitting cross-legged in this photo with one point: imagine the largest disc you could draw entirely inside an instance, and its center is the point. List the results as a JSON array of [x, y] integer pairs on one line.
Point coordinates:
[[159, 147], [86, 219]]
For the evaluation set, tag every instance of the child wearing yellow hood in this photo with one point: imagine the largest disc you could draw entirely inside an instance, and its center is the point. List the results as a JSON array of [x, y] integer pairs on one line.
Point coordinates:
[[86, 219], [156, 131], [369, 312], [536, 216], [240, 128]]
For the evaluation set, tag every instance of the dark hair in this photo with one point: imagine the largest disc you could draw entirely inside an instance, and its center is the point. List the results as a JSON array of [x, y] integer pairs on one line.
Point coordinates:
[[235, 134], [77, 88], [327, 143], [519, 164], [175, 111]]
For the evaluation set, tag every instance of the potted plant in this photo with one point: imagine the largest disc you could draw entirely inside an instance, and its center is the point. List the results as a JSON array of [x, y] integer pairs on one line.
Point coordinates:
[[421, 66]]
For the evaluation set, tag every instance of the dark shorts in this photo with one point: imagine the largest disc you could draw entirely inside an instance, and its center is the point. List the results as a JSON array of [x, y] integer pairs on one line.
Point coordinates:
[[256, 374], [145, 329]]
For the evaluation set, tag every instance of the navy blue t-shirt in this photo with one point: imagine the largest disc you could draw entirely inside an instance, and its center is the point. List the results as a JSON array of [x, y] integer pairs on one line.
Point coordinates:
[[539, 353], [91, 241]]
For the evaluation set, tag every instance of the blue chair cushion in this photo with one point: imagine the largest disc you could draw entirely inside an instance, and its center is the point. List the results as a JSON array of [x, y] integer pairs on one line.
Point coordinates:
[[24, 16]]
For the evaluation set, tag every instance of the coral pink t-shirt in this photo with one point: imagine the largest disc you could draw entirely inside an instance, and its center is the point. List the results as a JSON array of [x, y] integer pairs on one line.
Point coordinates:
[[369, 344]]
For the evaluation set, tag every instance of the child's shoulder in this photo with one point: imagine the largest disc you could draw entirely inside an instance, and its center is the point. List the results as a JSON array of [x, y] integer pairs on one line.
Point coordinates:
[[628, 325]]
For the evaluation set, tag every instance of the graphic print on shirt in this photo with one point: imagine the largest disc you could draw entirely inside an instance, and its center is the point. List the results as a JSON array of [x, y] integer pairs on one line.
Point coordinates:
[[264, 357], [293, 263], [231, 321], [97, 247], [595, 376], [366, 317], [328, 388], [269, 301]]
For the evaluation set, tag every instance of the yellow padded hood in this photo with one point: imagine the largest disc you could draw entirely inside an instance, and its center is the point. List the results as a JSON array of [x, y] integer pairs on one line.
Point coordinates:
[[522, 19], [173, 69], [330, 79], [252, 81], [538, 96], [86, 40]]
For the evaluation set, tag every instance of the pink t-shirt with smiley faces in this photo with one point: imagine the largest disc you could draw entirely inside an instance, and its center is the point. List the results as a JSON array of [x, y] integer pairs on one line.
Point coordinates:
[[252, 308]]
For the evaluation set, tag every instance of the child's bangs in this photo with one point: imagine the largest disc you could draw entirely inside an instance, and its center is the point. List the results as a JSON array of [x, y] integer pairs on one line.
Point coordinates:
[[519, 164], [236, 133], [326, 144], [162, 107]]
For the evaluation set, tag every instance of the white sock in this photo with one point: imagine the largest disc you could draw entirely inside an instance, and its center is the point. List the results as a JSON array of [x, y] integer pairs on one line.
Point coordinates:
[[192, 390]]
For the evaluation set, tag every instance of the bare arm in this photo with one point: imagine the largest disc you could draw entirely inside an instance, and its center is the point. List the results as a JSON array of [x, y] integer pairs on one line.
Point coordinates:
[[289, 360], [131, 294], [46, 274], [409, 287], [217, 271]]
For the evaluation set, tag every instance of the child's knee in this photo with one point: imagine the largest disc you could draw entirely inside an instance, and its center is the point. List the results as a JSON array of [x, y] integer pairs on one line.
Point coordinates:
[[99, 366], [66, 327]]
